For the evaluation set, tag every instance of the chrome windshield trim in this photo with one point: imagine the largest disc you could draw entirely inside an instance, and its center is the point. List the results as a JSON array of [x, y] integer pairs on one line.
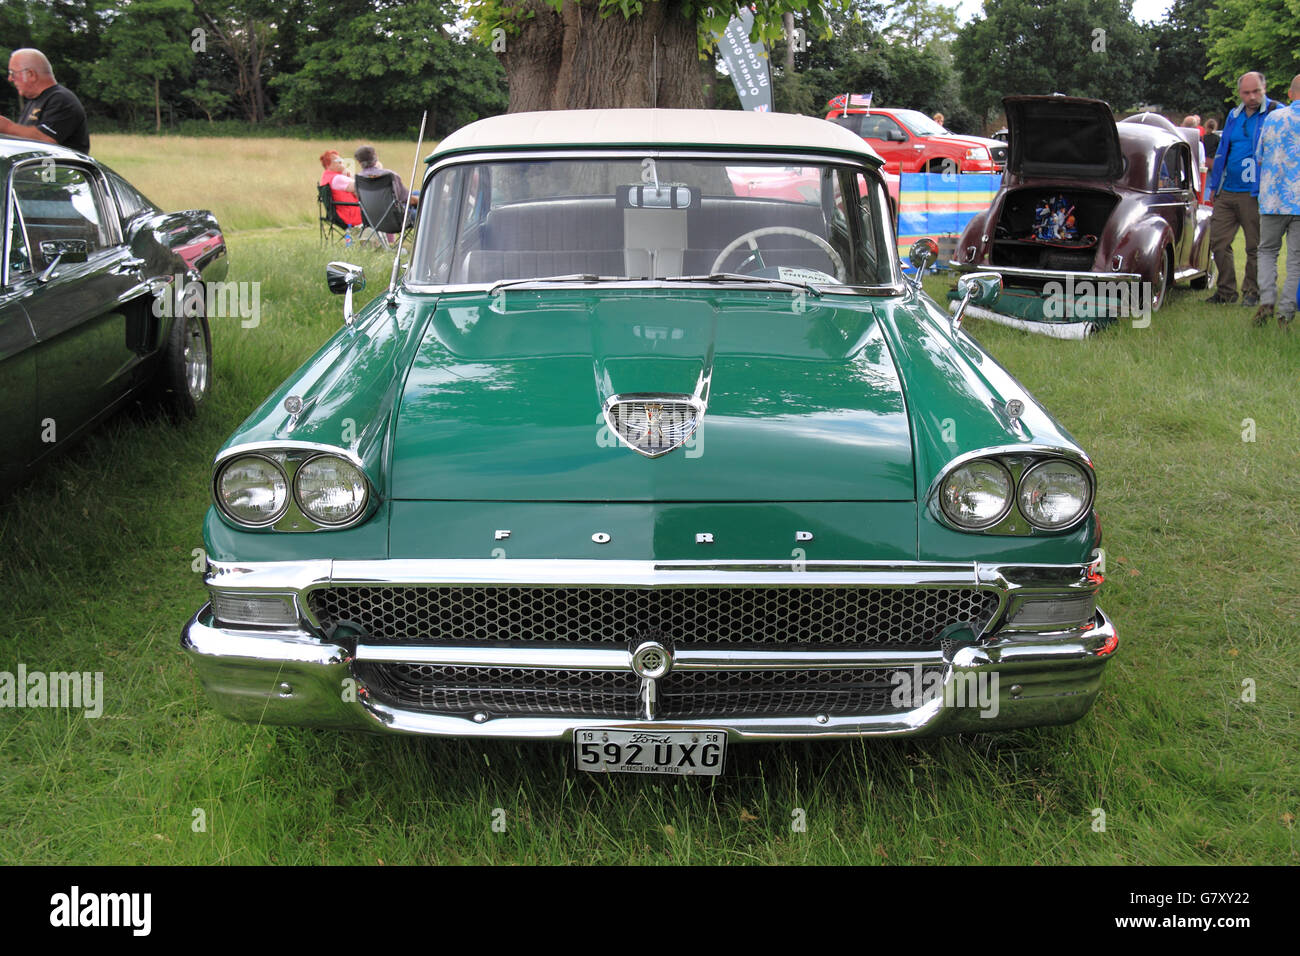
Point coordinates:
[[868, 167]]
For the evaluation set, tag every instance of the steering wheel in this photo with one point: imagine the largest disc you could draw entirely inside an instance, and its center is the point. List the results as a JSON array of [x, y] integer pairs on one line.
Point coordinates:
[[749, 237]]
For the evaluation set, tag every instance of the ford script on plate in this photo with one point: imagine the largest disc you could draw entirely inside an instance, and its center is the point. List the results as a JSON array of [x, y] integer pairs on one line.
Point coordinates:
[[698, 752]]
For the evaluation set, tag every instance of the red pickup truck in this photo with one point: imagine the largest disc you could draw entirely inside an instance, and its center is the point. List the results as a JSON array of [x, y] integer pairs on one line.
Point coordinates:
[[910, 142]]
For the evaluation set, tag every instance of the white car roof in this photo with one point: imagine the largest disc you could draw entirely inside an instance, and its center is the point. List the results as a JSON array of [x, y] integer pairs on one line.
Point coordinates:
[[660, 128]]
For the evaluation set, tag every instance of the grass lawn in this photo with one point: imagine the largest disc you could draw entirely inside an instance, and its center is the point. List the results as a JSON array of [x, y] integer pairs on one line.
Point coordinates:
[[1202, 533]]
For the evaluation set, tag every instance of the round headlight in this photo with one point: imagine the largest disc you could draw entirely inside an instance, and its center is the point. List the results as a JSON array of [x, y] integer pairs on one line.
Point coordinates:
[[976, 495], [252, 490], [330, 490], [1054, 494]]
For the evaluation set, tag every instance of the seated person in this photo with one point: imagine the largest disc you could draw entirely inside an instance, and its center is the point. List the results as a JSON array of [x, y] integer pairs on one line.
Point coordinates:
[[342, 187], [371, 166]]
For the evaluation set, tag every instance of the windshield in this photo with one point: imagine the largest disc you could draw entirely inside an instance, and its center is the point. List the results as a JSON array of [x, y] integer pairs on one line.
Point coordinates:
[[919, 123], [641, 217]]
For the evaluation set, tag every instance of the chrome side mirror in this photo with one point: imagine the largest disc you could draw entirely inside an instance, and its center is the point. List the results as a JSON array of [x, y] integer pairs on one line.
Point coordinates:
[[343, 278], [923, 254], [980, 289]]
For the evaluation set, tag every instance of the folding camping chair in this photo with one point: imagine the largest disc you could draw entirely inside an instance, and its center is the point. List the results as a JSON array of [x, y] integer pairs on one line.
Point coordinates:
[[380, 210], [327, 214]]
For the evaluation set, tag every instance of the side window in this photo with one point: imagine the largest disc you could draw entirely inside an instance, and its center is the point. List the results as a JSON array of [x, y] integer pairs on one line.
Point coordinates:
[[884, 128], [851, 122], [130, 199], [60, 204], [1173, 168], [20, 262]]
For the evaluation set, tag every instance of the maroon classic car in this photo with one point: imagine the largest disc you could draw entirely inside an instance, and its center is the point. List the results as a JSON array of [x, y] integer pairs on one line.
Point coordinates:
[[1089, 207]]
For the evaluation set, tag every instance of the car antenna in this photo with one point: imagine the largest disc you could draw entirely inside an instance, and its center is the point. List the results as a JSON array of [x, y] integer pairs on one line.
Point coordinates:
[[406, 211]]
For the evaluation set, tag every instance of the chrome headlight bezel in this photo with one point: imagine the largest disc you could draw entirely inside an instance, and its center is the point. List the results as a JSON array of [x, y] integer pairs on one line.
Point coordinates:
[[289, 458], [308, 513], [1037, 468], [1008, 499], [224, 467], [1019, 461]]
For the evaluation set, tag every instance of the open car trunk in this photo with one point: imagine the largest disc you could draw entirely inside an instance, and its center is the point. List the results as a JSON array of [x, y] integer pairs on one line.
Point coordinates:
[[1014, 236]]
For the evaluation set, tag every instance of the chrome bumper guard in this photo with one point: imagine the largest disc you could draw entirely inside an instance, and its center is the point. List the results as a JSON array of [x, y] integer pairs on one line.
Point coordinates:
[[1007, 677]]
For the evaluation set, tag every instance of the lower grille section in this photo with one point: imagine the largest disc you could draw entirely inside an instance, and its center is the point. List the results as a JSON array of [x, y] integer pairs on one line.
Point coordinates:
[[906, 617], [519, 691]]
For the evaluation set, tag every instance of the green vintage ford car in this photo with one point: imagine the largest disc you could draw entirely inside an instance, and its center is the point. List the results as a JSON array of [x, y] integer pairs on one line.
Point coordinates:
[[653, 448]]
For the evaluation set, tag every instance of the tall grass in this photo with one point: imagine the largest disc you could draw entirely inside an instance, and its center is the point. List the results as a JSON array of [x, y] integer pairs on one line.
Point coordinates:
[[1202, 532], [249, 183]]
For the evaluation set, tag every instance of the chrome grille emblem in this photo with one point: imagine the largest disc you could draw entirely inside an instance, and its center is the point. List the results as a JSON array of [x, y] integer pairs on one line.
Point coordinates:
[[651, 423]]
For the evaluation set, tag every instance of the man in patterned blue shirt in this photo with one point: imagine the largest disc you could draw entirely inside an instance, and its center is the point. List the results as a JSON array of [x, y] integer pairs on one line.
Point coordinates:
[[1234, 187], [1278, 159]]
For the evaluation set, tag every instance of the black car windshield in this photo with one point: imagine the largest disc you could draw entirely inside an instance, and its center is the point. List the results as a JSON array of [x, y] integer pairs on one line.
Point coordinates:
[[640, 217]]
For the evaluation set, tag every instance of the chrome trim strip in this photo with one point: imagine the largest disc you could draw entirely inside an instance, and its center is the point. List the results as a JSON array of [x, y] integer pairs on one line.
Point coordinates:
[[650, 574], [1048, 274], [620, 659]]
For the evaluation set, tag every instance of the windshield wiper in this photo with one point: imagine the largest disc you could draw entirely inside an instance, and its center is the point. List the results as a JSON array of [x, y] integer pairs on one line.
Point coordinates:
[[577, 277], [741, 277]]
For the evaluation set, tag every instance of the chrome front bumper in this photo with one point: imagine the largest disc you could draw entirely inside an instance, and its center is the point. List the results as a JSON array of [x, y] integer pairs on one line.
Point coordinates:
[[293, 675]]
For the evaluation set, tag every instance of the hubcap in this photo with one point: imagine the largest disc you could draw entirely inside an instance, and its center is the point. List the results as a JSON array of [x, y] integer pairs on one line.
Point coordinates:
[[196, 360]]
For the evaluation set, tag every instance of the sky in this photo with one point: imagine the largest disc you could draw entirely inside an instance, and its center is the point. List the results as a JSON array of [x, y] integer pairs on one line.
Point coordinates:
[[1144, 11]]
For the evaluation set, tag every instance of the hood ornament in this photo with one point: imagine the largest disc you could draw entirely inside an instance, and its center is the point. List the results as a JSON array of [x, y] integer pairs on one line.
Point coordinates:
[[653, 423]]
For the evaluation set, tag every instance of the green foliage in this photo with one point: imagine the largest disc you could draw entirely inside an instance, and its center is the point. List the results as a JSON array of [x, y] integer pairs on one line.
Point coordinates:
[[860, 58], [1178, 77], [712, 16], [1262, 35], [1076, 47], [358, 64], [146, 42], [388, 64]]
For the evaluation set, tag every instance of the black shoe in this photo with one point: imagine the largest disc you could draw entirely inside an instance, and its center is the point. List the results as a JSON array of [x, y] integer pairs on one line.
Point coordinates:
[[1262, 315], [1220, 299], [1250, 301]]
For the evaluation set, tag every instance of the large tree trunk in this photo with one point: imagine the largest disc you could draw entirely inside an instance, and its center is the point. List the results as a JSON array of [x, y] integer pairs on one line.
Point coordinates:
[[577, 59]]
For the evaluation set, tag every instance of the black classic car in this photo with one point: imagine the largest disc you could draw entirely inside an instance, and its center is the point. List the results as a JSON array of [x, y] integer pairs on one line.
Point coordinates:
[[1095, 219], [102, 301]]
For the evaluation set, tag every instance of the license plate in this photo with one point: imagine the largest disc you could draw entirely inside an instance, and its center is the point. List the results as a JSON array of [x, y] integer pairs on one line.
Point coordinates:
[[687, 752]]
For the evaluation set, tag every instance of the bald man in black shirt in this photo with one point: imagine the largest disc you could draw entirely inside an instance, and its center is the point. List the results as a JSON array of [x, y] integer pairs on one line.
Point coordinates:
[[52, 114]]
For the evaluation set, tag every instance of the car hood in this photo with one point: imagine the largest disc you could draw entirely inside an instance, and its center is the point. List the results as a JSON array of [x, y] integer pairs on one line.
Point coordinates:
[[503, 400], [1062, 137]]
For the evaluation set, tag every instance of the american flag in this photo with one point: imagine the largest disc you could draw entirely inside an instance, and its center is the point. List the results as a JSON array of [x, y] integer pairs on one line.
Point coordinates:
[[845, 100]]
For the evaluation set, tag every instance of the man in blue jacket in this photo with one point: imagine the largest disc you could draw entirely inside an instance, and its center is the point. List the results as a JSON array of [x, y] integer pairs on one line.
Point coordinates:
[[1234, 188]]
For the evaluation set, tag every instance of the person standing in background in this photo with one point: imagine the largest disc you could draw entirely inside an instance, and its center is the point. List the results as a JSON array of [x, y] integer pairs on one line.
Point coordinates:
[[1278, 159], [52, 113], [1234, 190]]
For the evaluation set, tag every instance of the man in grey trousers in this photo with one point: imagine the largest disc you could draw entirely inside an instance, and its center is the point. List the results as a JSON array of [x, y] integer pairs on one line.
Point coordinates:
[[1278, 159], [1234, 186]]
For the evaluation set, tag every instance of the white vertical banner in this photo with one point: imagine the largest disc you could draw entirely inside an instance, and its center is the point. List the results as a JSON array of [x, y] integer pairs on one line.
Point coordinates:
[[747, 63]]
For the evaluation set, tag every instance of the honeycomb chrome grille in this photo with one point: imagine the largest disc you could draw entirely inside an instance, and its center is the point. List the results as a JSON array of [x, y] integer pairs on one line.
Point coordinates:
[[519, 691], [908, 617]]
